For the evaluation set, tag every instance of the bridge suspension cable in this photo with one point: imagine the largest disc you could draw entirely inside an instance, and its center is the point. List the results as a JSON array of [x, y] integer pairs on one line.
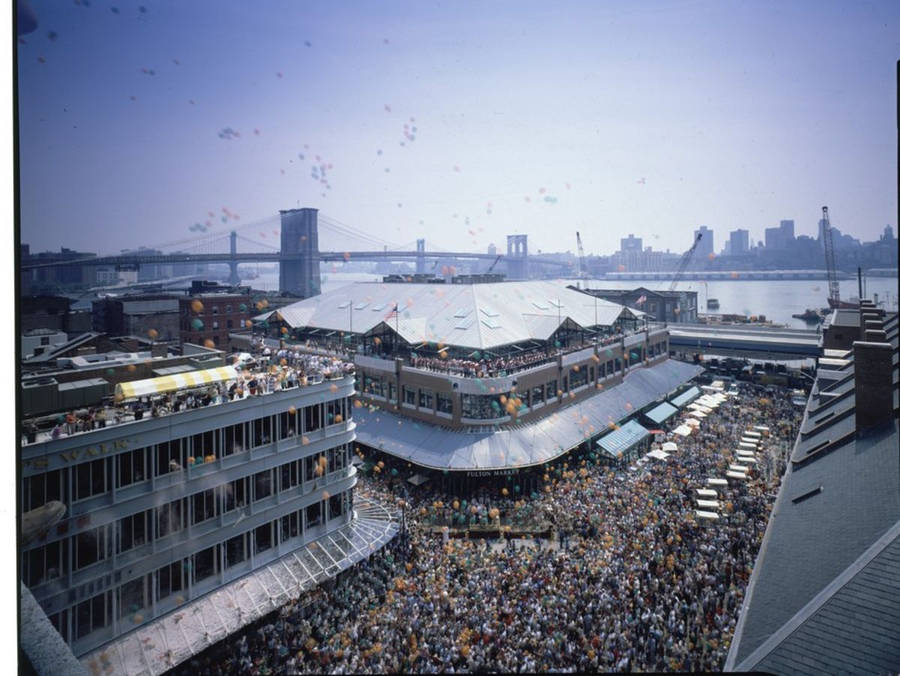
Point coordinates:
[[345, 230]]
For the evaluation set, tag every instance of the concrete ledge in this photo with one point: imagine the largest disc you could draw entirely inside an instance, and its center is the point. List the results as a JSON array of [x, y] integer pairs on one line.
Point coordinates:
[[43, 645]]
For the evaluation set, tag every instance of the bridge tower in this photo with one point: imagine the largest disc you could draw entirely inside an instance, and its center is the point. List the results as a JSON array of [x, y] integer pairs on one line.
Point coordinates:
[[233, 277], [517, 256], [420, 258], [299, 266]]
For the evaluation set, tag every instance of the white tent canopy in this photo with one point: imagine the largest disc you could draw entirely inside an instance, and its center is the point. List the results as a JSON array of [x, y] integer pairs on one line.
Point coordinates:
[[177, 381], [659, 455], [670, 446], [682, 430]]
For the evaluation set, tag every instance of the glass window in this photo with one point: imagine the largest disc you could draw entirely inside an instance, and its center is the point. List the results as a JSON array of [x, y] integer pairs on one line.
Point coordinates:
[[262, 538], [42, 488], [291, 526], [205, 564], [132, 596], [203, 506], [444, 403], [312, 418], [91, 478], [335, 506], [481, 407], [426, 399], [262, 431], [579, 377], [234, 494], [552, 392], [60, 621], [203, 444], [235, 550], [262, 484], [234, 439], [230, 324], [43, 564], [169, 518], [537, 395], [227, 309], [392, 392], [409, 395], [313, 514], [287, 424], [131, 468], [93, 614], [169, 457], [290, 476], [169, 579], [215, 309], [90, 547], [133, 530]]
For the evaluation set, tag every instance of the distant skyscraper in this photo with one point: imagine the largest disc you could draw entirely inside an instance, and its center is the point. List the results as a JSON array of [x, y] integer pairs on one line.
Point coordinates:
[[774, 239], [888, 233], [787, 232], [705, 246], [740, 242], [631, 243]]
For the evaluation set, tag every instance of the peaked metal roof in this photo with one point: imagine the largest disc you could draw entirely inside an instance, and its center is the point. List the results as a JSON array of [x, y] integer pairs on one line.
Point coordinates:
[[477, 316]]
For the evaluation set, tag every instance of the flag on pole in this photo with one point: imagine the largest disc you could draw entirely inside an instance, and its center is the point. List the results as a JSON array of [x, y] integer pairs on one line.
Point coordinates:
[[392, 314], [641, 300]]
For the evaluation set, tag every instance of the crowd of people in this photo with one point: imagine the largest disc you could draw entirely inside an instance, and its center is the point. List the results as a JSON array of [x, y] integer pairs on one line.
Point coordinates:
[[266, 371], [630, 580]]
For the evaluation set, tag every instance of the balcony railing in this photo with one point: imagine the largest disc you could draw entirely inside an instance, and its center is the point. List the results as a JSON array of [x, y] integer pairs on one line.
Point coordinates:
[[40, 429]]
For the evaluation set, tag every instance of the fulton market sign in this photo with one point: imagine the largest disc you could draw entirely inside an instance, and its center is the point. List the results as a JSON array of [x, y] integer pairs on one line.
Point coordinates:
[[493, 472]]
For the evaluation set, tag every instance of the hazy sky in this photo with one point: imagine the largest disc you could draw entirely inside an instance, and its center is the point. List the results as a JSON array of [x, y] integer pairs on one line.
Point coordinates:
[[535, 117]]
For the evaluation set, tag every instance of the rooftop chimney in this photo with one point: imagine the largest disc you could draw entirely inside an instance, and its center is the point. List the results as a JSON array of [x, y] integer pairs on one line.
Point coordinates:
[[874, 384]]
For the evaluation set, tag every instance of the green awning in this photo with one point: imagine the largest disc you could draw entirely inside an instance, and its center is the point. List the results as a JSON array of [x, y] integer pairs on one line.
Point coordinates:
[[627, 436], [686, 397], [662, 412]]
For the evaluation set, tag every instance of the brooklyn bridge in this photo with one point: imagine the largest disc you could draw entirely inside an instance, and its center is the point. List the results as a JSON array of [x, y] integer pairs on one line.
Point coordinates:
[[298, 254]]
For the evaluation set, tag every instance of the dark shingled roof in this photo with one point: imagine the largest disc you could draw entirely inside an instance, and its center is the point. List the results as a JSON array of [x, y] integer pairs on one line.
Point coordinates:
[[824, 596]]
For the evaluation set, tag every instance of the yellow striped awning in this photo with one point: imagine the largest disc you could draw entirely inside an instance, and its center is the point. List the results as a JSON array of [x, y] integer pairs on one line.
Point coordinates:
[[177, 381]]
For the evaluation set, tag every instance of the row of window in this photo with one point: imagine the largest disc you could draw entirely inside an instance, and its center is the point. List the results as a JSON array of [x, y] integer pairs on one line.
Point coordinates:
[[488, 407], [52, 560], [131, 600], [131, 467]]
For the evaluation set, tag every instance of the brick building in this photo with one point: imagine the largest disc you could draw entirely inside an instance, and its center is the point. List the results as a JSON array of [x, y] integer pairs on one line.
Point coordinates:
[[212, 315]]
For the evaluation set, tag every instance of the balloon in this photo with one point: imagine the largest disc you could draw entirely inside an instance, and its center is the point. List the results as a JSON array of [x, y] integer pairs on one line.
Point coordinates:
[[196, 306]]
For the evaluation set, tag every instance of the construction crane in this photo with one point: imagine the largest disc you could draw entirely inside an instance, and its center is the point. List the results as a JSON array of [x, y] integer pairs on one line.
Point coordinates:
[[496, 260], [683, 263], [834, 289], [582, 268]]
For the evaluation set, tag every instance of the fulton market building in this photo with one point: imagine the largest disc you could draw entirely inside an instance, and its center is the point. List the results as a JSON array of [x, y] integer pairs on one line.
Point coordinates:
[[463, 384]]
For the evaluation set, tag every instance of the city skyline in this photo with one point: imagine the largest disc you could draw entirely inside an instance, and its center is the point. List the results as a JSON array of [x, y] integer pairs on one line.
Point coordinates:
[[135, 124]]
